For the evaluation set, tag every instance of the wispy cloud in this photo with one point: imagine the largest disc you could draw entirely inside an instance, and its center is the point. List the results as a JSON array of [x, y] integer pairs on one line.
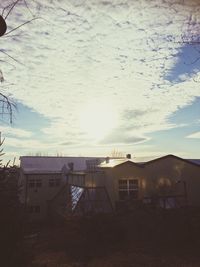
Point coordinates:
[[16, 132], [25, 143], [119, 137], [194, 135], [100, 51]]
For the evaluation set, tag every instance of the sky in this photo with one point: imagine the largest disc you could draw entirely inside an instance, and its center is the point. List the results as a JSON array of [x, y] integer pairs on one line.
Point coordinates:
[[92, 76]]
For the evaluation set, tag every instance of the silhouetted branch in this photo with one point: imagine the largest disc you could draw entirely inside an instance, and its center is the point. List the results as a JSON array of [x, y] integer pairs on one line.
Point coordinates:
[[12, 6], [22, 25], [6, 106], [10, 57]]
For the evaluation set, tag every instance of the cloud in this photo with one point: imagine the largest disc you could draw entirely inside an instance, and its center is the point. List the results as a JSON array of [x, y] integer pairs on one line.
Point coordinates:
[[194, 135], [118, 137], [16, 132], [89, 51], [28, 144]]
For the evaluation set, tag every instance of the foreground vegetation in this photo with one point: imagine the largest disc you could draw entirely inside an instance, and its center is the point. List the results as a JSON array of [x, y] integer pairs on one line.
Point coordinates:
[[144, 238]]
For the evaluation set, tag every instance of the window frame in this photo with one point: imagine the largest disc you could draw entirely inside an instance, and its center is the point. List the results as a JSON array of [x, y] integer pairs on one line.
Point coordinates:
[[34, 183], [130, 188]]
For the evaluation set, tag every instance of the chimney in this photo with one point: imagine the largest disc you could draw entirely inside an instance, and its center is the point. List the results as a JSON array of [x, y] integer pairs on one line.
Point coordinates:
[[107, 159], [128, 156], [71, 166]]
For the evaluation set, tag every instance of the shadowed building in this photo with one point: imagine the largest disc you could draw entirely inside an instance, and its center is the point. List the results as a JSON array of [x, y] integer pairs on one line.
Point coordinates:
[[80, 185], [44, 177], [170, 181]]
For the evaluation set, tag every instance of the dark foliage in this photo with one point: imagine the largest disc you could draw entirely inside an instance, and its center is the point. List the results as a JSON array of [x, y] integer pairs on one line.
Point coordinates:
[[11, 214]]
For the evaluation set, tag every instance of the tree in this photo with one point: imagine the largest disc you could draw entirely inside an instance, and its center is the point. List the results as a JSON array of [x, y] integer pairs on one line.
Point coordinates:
[[116, 154], [10, 210], [6, 104]]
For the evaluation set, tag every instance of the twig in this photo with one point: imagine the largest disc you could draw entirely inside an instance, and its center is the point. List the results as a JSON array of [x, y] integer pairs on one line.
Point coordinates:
[[11, 57], [14, 4], [21, 25]]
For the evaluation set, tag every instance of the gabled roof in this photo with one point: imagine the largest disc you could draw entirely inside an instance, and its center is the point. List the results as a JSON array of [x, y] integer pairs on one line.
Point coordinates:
[[196, 161], [116, 162], [172, 156], [41, 164]]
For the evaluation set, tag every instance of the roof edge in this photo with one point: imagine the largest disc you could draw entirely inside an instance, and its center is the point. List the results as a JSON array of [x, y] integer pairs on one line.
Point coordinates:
[[170, 156], [120, 163]]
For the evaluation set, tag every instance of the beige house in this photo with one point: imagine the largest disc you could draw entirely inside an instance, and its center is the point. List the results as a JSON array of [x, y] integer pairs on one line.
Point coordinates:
[[170, 180], [44, 177], [70, 185], [174, 176]]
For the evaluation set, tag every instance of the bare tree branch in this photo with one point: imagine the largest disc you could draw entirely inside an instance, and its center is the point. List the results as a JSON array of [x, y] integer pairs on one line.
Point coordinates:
[[7, 106]]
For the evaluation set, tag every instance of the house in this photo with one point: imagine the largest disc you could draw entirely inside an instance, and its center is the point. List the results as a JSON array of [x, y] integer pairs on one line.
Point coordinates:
[[174, 177], [169, 180], [44, 177], [79, 185]]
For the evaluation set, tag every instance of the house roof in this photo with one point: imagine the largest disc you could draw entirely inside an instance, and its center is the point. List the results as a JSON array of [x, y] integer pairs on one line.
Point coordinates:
[[196, 161], [116, 162], [193, 162], [41, 164]]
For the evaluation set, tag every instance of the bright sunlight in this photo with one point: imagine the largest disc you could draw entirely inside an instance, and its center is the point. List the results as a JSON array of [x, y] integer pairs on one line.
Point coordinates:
[[97, 120]]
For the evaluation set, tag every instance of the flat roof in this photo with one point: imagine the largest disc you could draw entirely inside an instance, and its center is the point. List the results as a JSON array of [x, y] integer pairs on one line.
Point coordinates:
[[43, 164]]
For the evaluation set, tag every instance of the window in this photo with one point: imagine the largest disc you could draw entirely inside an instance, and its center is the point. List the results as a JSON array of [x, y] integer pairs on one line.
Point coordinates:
[[34, 183], [34, 209], [54, 182], [128, 189]]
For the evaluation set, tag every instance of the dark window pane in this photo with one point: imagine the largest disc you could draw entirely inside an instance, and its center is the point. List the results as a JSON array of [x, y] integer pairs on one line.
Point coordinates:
[[123, 184], [133, 182], [34, 183], [31, 183], [38, 183]]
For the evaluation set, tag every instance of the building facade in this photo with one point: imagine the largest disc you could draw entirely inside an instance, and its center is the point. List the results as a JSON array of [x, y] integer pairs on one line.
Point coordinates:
[[169, 180], [87, 185], [44, 177]]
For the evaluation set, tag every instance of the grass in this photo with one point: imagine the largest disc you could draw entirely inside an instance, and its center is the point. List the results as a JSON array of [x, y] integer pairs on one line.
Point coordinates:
[[145, 238]]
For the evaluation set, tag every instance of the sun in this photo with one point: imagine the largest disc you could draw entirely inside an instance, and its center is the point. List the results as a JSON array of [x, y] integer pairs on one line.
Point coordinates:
[[97, 120]]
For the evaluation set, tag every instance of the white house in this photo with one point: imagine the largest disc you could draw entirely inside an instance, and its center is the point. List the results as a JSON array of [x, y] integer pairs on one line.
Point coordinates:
[[92, 184], [43, 177]]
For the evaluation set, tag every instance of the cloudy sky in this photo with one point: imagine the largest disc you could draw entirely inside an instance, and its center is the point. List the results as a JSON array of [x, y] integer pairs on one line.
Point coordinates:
[[90, 76]]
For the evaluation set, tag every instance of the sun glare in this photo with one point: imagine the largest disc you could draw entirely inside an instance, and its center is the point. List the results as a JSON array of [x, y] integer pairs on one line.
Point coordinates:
[[97, 120]]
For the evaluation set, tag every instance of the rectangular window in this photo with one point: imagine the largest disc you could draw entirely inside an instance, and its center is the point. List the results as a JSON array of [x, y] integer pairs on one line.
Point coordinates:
[[128, 189], [34, 183], [34, 209], [54, 182], [31, 183]]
